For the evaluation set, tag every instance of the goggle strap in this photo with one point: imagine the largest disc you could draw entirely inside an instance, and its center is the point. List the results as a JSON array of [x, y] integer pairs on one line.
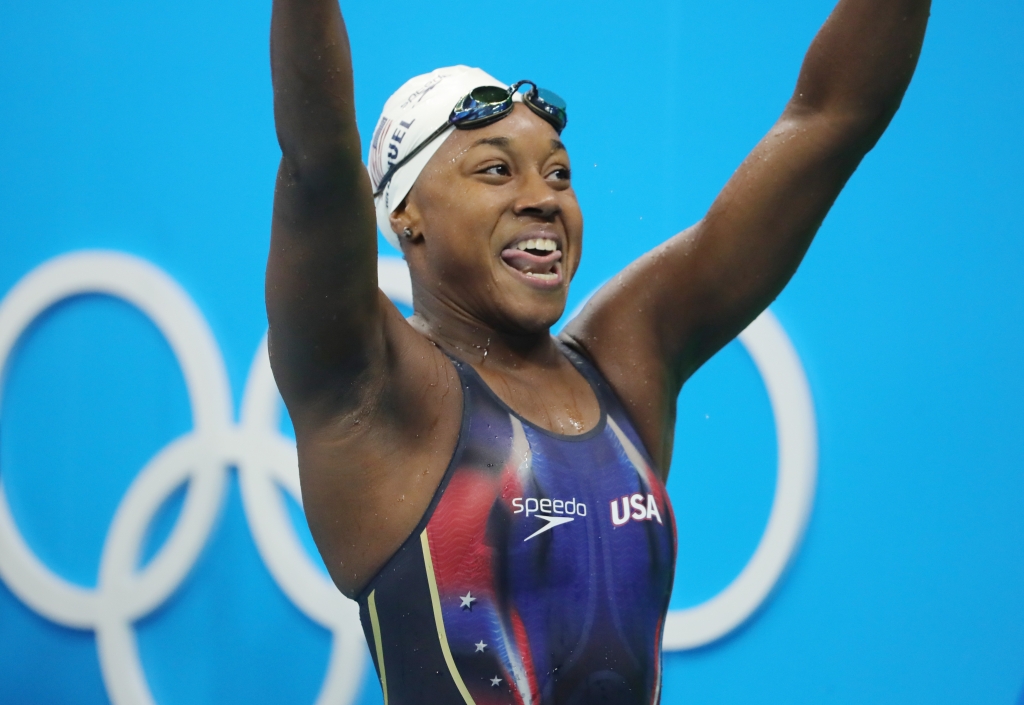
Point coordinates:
[[405, 160]]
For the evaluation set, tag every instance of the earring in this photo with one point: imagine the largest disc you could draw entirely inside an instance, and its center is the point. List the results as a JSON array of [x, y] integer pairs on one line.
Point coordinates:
[[408, 233]]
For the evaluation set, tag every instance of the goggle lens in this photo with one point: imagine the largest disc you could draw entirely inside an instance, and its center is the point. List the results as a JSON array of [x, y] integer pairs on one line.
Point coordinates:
[[552, 105], [551, 98], [489, 94], [485, 104]]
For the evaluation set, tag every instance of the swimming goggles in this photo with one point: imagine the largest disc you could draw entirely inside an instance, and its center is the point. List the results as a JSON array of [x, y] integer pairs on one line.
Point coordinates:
[[485, 105]]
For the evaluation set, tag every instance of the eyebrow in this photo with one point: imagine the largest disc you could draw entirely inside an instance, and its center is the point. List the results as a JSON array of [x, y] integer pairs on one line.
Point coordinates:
[[505, 143], [502, 142]]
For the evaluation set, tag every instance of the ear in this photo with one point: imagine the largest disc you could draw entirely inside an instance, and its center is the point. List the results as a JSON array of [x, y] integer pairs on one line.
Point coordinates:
[[406, 216]]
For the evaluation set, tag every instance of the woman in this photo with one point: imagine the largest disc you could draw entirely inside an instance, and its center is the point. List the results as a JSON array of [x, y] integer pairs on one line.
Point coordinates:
[[492, 496]]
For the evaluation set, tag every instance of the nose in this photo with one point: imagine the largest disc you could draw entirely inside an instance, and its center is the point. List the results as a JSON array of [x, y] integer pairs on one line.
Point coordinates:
[[536, 198]]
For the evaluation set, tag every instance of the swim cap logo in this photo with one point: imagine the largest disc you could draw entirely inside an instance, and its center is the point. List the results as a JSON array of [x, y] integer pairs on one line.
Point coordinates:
[[553, 511], [418, 95], [374, 162]]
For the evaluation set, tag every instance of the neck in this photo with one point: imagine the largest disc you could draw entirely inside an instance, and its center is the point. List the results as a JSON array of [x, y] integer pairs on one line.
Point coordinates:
[[482, 345]]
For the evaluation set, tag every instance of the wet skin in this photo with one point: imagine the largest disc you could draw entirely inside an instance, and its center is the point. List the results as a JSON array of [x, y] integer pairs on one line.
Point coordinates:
[[375, 401], [484, 192]]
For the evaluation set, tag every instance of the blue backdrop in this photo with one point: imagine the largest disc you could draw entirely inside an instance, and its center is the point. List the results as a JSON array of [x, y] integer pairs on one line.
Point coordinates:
[[147, 128]]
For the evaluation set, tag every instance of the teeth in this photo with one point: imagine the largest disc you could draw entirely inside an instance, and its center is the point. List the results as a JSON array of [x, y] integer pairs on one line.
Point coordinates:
[[538, 243], [549, 276]]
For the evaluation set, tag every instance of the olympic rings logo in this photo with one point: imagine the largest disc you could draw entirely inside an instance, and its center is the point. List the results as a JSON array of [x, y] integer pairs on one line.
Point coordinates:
[[266, 460], [796, 434]]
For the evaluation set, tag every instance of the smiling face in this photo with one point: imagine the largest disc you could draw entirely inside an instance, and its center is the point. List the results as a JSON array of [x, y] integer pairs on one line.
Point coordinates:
[[497, 229]]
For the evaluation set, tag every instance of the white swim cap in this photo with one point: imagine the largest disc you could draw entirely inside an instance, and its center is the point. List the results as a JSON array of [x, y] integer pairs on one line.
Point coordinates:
[[410, 116]]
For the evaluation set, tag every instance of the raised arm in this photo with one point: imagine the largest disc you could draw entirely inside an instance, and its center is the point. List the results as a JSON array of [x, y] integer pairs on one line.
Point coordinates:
[[322, 300], [375, 417], [671, 310]]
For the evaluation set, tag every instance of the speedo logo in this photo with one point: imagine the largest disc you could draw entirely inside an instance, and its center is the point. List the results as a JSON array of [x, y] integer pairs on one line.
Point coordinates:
[[554, 512], [635, 507]]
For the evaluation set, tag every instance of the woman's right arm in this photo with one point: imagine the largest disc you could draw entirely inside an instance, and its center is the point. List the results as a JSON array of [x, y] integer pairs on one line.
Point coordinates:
[[376, 407], [326, 315]]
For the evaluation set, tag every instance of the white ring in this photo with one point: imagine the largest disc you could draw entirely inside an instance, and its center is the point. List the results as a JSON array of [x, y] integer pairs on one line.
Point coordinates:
[[167, 305], [796, 431], [266, 461], [268, 465]]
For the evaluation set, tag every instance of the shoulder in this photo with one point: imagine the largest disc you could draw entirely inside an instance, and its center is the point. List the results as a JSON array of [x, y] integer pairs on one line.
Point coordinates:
[[638, 382], [368, 472]]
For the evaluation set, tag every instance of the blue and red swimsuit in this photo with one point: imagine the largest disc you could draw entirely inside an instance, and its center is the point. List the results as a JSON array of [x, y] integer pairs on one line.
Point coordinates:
[[539, 575]]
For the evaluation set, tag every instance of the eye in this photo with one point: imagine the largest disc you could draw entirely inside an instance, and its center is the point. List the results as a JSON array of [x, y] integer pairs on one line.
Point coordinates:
[[562, 173], [497, 170]]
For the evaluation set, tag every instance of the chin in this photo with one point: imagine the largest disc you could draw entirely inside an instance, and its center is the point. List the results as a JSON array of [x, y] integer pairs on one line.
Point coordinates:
[[535, 319]]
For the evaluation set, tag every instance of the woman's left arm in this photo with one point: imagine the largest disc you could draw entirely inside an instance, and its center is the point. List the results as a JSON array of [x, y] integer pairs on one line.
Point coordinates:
[[671, 310]]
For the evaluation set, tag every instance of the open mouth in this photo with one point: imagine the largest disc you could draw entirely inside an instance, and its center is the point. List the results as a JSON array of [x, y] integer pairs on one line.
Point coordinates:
[[537, 260]]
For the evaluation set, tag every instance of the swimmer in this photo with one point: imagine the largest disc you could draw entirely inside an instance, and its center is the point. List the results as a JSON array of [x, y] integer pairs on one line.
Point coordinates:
[[491, 495]]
